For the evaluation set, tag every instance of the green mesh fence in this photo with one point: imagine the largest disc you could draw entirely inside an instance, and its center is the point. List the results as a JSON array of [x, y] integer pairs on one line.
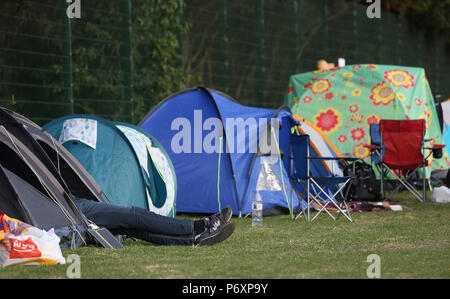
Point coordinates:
[[102, 63], [249, 48], [113, 61], [52, 65]]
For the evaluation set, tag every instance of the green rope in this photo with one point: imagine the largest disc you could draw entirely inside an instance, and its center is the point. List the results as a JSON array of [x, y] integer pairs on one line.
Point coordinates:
[[281, 169], [218, 173]]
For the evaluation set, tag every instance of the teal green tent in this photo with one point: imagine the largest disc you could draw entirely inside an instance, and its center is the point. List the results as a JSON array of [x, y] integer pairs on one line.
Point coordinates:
[[129, 164]]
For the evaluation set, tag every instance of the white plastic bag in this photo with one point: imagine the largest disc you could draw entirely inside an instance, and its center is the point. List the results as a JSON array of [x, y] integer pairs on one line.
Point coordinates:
[[21, 243], [441, 194]]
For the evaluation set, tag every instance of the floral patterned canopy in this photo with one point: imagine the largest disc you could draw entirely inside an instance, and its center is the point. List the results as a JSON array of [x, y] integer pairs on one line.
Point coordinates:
[[343, 102]]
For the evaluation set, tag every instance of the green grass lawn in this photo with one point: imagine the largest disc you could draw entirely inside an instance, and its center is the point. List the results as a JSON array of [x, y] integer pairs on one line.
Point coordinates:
[[410, 244]]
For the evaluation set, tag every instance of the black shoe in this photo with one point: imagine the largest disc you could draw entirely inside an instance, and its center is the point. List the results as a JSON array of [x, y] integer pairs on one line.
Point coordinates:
[[217, 228], [216, 233], [223, 216], [227, 213]]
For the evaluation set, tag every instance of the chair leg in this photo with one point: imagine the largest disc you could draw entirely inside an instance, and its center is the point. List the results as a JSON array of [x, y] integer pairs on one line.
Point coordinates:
[[348, 211], [303, 211], [322, 208], [310, 200], [302, 196], [332, 201], [404, 182], [424, 189], [292, 200], [382, 181]]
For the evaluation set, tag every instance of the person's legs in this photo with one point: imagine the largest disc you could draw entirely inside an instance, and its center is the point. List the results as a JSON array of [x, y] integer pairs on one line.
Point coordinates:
[[156, 238], [139, 223], [142, 224]]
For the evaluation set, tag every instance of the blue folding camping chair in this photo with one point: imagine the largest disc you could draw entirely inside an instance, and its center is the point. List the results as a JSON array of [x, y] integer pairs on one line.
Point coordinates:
[[324, 191]]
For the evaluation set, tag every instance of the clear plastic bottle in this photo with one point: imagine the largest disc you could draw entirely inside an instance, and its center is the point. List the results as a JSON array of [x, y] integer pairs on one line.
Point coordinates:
[[257, 210]]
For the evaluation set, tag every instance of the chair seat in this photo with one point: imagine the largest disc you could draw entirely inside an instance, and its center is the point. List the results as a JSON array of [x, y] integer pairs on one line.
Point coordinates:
[[332, 180], [411, 166]]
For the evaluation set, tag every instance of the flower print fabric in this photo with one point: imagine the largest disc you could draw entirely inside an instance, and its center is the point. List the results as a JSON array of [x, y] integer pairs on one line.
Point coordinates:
[[79, 129]]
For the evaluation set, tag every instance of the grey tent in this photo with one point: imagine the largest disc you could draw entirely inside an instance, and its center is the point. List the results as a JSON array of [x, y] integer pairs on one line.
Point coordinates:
[[38, 180], [63, 165]]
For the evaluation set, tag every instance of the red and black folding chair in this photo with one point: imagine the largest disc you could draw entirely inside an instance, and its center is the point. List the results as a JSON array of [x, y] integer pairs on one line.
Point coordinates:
[[402, 143]]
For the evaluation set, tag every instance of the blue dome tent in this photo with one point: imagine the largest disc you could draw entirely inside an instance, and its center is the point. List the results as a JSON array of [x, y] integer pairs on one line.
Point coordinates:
[[224, 152], [130, 165]]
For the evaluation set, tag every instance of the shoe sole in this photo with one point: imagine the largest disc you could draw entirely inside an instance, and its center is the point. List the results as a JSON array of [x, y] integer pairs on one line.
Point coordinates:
[[226, 231], [230, 215]]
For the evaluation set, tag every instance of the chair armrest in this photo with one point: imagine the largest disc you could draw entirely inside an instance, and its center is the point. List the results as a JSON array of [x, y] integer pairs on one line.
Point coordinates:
[[372, 147], [350, 158], [436, 146], [341, 161], [435, 150], [334, 158]]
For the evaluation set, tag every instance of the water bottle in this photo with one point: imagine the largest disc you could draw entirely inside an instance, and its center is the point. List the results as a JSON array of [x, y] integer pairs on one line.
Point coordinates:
[[257, 210]]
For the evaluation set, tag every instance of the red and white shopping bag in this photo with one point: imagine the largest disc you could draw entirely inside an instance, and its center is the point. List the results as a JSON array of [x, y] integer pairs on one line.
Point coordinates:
[[21, 243]]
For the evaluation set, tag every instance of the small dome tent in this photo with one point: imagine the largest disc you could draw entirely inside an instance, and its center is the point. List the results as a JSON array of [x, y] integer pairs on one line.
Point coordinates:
[[130, 165], [71, 173]]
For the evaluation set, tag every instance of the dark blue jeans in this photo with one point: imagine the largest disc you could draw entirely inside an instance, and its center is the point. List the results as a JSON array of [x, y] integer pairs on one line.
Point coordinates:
[[138, 223]]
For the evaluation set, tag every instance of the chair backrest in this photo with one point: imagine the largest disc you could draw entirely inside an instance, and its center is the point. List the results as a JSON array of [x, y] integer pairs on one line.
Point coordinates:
[[300, 152], [375, 137], [402, 141]]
